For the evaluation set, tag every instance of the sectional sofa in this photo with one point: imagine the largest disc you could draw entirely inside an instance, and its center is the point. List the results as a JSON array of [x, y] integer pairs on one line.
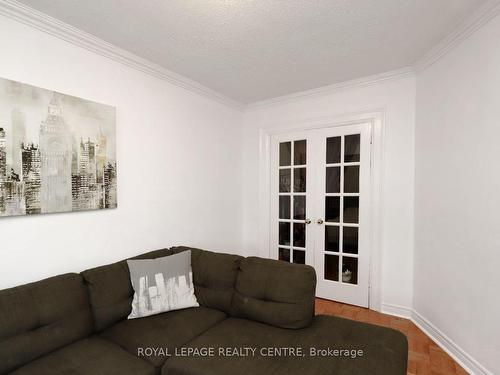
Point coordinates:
[[256, 316]]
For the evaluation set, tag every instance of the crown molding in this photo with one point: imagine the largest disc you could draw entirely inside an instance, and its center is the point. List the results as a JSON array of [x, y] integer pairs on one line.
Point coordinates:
[[31, 17], [330, 89], [474, 22]]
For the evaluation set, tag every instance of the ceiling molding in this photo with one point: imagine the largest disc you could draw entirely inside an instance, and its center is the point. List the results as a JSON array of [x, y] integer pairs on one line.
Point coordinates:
[[330, 89], [477, 20], [31, 17]]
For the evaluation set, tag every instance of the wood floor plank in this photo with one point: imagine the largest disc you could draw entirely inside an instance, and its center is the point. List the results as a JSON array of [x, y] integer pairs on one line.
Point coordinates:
[[424, 356]]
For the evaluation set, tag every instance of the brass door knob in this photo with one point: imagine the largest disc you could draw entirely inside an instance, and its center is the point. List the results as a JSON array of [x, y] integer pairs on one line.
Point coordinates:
[[319, 221]]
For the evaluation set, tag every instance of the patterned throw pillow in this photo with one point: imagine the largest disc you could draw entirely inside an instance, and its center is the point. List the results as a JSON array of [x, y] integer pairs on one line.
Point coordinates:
[[162, 284]]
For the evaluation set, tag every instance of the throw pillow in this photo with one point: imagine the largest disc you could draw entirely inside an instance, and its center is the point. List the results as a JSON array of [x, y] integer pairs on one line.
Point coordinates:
[[161, 285]]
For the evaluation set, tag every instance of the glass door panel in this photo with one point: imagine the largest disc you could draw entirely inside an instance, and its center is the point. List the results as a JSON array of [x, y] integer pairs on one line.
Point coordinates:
[[292, 188], [342, 206]]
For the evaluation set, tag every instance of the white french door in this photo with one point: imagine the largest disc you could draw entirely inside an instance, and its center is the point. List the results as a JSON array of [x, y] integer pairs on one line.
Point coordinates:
[[320, 203]]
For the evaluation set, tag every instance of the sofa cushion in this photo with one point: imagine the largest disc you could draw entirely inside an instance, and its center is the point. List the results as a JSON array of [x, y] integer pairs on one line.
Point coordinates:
[[168, 330], [40, 317], [110, 290], [92, 356], [275, 292], [161, 285], [214, 276], [384, 350]]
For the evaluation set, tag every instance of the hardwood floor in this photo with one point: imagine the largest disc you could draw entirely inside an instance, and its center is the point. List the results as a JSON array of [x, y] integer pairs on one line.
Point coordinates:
[[424, 356]]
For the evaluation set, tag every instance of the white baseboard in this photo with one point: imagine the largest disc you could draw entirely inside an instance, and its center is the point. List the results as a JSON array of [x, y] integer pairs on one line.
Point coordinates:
[[397, 310], [463, 358]]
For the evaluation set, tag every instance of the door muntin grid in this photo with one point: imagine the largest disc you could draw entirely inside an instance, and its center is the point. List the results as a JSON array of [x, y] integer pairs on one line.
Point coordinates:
[[292, 201], [342, 197]]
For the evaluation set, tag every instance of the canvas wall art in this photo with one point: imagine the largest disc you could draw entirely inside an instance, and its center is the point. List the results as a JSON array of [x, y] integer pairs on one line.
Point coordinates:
[[57, 152]]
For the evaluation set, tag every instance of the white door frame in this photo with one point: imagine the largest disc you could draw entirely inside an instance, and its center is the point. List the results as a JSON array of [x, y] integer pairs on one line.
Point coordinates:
[[377, 119]]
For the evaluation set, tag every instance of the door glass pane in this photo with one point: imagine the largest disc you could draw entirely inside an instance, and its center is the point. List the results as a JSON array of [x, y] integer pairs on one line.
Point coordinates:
[[299, 152], [299, 234], [332, 209], [285, 178], [299, 180], [333, 179], [332, 238], [341, 240], [299, 256], [351, 148], [285, 153], [332, 267], [349, 270], [351, 210], [350, 240], [333, 150], [351, 179], [284, 207], [284, 254], [299, 207], [284, 234]]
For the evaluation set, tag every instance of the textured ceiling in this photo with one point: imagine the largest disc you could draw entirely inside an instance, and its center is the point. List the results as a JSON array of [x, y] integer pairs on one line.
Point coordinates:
[[251, 50]]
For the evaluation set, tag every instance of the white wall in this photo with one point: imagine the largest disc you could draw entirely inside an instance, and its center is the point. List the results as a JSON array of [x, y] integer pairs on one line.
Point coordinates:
[[397, 97], [178, 161], [457, 236]]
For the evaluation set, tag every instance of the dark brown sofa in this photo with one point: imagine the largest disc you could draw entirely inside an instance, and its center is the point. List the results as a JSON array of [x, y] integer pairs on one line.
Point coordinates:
[[256, 315]]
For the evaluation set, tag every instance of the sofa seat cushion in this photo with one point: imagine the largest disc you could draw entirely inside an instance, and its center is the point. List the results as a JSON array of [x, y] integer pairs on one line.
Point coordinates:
[[169, 330], [384, 350], [88, 356]]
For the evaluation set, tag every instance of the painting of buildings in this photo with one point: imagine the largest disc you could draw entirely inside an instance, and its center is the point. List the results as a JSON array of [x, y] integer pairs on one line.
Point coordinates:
[[57, 152]]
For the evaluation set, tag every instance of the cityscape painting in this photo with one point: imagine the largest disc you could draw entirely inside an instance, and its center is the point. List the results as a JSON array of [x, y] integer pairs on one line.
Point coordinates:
[[57, 152]]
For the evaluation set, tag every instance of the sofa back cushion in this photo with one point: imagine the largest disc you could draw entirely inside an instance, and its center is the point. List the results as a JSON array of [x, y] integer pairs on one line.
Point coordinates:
[[111, 292], [214, 277], [274, 292], [40, 317]]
